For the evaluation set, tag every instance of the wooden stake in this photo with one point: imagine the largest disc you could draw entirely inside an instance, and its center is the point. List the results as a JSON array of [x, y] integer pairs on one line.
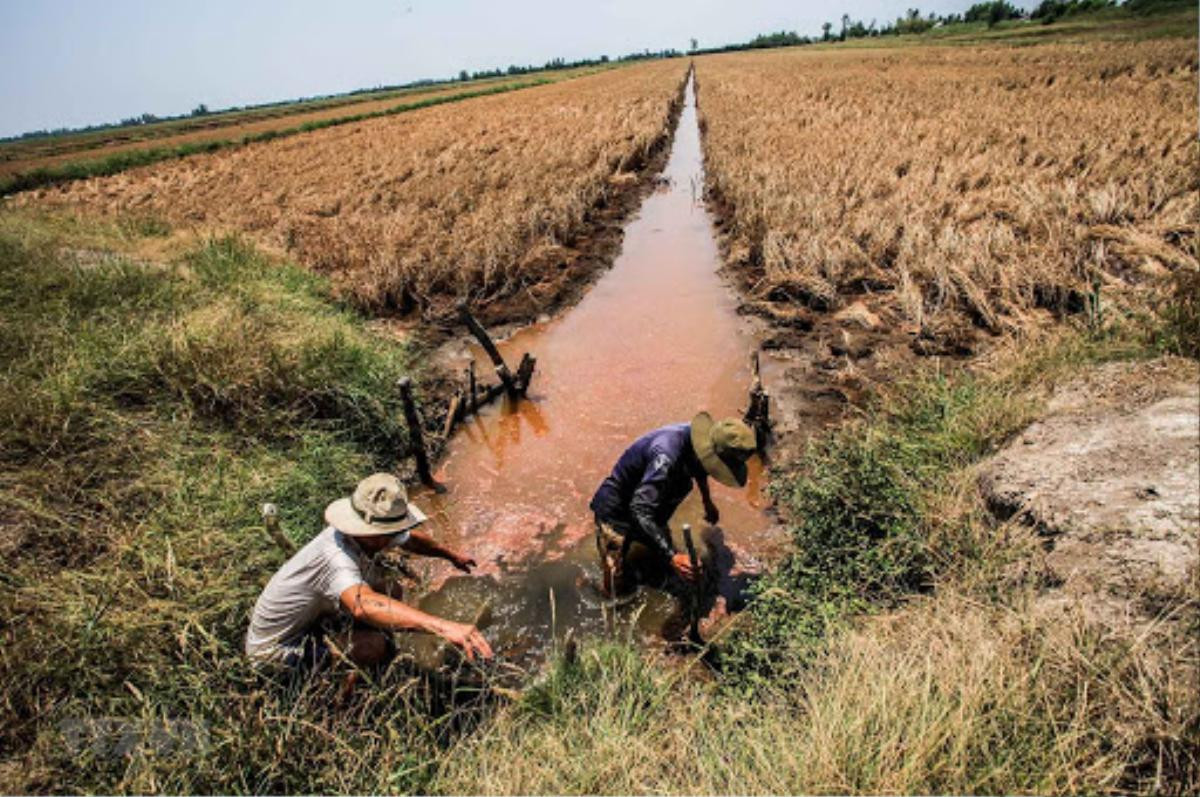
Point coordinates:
[[694, 628], [452, 414], [473, 387], [270, 516], [525, 372], [570, 649], [493, 353], [758, 413], [606, 577], [416, 440]]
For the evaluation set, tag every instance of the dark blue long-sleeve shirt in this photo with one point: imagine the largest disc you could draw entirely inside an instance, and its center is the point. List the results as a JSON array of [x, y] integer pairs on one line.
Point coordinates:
[[649, 482]]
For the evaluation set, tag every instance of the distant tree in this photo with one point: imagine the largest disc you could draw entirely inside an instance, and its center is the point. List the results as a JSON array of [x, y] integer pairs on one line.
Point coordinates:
[[825, 28], [200, 110], [1049, 10], [783, 38], [992, 12], [695, 45], [463, 76], [913, 22]]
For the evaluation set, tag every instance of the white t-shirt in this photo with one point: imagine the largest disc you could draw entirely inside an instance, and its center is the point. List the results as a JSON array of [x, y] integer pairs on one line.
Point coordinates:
[[308, 587]]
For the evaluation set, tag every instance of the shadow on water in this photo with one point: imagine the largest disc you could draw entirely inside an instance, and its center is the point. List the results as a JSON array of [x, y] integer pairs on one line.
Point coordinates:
[[655, 340]]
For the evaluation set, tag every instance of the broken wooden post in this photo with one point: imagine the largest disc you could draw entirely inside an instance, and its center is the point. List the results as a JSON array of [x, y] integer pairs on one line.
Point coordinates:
[[493, 353], [570, 649], [525, 372], [694, 603], [758, 414], [270, 516], [453, 414], [472, 387], [416, 441]]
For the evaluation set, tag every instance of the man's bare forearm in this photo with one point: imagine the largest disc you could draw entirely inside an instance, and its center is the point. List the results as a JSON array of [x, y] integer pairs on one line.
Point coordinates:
[[379, 611]]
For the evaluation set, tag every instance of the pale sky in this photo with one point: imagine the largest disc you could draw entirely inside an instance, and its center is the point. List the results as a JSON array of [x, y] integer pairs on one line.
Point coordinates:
[[76, 62]]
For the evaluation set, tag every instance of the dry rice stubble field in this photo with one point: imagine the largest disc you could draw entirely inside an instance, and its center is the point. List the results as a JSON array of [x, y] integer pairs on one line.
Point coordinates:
[[487, 200], [26, 155], [954, 191]]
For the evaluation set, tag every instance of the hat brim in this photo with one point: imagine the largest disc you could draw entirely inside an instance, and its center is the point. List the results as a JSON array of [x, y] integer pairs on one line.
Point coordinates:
[[341, 515], [729, 473]]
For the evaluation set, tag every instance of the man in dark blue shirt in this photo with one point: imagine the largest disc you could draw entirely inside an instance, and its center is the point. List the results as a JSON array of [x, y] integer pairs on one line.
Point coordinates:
[[655, 474]]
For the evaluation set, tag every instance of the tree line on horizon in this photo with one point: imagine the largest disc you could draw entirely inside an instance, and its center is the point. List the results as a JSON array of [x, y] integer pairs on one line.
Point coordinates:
[[914, 21]]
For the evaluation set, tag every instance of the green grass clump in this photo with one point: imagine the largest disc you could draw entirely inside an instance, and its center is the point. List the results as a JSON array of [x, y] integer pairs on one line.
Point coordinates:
[[1179, 331], [862, 500]]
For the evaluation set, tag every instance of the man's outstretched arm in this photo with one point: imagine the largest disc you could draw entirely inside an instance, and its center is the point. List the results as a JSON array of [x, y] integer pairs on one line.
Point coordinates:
[[379, 611], [424, 545]]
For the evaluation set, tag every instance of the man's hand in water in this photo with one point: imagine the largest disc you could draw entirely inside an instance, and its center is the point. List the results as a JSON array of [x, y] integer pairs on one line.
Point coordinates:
[[710, 513], [683, 566], [463, 562], [467, 638]]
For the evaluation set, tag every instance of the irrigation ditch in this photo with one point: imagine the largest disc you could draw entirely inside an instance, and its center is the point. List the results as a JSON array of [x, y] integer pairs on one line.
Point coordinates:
[[652, 340]]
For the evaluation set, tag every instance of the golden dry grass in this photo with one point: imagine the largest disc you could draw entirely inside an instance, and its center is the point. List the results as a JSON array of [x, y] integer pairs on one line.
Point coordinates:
[[475, 201], [949, 184]]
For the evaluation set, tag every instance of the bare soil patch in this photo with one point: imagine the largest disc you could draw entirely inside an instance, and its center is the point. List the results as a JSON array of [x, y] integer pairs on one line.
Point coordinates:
[[1111, 480]]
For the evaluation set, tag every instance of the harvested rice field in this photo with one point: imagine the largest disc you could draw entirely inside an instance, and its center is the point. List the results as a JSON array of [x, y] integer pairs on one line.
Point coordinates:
[[24, 155], [477, 201], [953, 190]]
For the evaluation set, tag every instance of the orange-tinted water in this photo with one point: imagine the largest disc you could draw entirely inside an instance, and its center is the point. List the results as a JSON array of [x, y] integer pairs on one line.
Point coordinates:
[[655, 340]]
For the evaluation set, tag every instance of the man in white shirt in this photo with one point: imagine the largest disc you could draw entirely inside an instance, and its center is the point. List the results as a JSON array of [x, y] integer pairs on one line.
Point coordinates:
[[327, 578]]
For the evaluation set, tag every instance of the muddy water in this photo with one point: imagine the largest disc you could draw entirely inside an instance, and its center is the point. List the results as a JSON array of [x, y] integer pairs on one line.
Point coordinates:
[[655, 340]]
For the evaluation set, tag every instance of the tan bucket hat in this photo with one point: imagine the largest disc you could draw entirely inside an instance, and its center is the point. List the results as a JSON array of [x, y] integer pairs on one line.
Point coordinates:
[[379, 506], [723, 447]]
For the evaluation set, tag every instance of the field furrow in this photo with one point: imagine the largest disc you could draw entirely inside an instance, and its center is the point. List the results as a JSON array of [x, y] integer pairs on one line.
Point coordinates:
[[954, 189]]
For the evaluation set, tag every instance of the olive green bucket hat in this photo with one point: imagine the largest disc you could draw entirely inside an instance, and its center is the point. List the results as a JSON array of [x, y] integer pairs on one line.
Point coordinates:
[[723, 448], [379, 506]]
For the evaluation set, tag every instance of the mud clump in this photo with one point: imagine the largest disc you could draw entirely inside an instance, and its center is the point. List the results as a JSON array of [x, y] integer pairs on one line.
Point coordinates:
[[1111, 480]]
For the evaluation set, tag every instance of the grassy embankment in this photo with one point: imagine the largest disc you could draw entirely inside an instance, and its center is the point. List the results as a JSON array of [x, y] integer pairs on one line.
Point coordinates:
[[148, 409], [131, 158]]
